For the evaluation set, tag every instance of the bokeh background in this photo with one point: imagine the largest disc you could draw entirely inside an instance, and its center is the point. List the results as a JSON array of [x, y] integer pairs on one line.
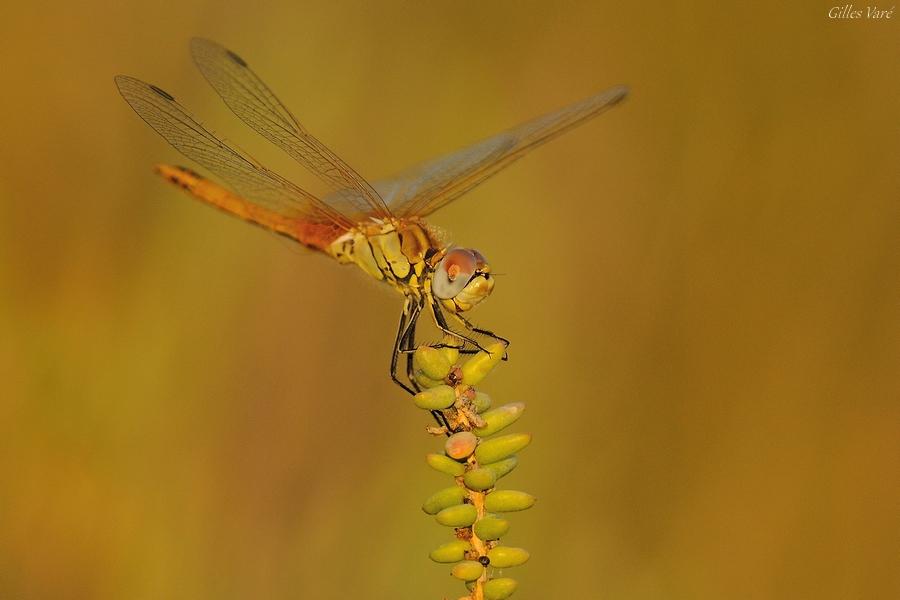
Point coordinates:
[[700, 286]]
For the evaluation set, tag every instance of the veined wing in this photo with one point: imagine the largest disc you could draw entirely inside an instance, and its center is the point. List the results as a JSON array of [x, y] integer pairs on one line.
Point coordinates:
[[252, 100], [427, 187], [247, 177]]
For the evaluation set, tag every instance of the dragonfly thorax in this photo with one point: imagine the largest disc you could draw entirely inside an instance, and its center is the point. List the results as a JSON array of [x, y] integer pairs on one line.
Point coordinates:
[[394, 251], [410, 256]]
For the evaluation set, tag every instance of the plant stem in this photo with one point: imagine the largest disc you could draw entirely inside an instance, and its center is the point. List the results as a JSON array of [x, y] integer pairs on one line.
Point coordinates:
[[477, 499]]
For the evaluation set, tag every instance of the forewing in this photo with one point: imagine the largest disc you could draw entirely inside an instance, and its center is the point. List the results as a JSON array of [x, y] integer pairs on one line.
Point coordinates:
[[252, 100], [243, 174], [432, 184]]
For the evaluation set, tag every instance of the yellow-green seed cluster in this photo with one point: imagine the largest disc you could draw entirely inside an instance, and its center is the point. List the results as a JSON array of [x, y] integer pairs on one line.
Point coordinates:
[[476, 458]]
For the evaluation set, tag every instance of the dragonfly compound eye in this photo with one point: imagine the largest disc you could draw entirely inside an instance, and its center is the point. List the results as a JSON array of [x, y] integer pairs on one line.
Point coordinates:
[[454, 272]]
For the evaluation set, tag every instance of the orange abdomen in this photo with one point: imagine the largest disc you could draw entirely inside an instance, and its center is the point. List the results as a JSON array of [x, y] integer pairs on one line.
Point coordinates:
[[315, 235]]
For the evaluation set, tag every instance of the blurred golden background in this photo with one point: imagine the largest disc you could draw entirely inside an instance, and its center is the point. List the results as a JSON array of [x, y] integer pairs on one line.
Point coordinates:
[[700, 286]]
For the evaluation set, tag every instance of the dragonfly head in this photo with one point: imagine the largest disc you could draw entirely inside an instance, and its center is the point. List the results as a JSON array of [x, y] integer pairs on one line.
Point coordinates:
[[462, 279]]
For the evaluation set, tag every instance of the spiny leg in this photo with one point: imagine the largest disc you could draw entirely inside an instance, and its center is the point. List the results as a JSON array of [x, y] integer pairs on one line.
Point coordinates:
[[408, 346], [468, 325], [402, 331], [441, 323]]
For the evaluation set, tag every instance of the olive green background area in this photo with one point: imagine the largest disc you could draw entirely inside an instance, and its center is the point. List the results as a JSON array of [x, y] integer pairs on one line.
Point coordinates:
[[700, 286]]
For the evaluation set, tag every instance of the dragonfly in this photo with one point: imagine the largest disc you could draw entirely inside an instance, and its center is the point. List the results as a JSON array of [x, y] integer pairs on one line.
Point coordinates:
[[380, 226]]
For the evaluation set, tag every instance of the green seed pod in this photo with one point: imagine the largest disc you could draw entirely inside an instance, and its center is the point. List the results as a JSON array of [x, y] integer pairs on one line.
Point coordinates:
[[500, 418], [451, 349], [467, 570], [500, 589], [436, 398], [450, 552], [479, 479], [460, 445], [482, 402], [491, 528], [508, 501], [507, 556], [461, 515], [498, 448], [476, 368], [427, 382], [440, 500], [503, 467], [445, 464], [431, 362]]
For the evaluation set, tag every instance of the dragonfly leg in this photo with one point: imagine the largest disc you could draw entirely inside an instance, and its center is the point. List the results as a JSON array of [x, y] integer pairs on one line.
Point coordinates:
[[468, 325], [406, 341], [441, 323], [402, 334], [408, 344]]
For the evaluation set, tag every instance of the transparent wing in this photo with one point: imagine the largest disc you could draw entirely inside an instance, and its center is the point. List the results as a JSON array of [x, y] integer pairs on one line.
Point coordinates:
[[251, 100], [247, 177], [427, 187]]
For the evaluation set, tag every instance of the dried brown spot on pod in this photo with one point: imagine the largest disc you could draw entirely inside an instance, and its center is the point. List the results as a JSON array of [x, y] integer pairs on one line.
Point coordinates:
[[455, 375]]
